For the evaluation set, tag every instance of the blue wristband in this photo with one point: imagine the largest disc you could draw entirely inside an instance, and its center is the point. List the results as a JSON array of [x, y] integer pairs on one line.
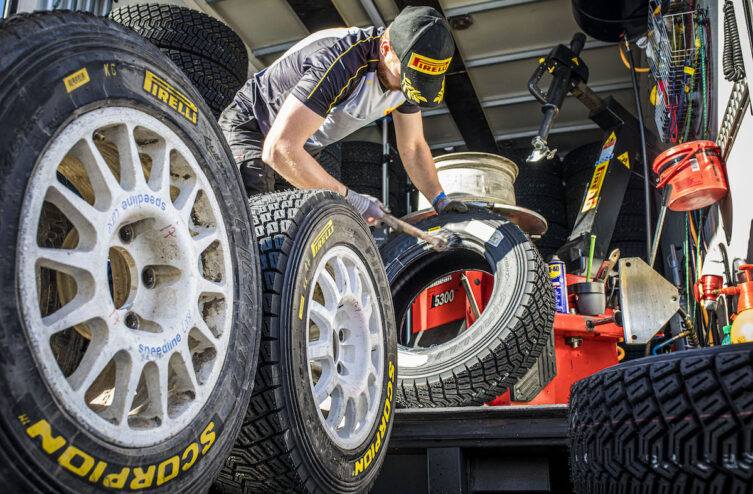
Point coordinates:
[[441, 195]]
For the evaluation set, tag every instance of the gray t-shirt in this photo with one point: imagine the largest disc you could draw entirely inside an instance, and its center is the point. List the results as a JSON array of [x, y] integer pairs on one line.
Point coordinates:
[[334, 73]]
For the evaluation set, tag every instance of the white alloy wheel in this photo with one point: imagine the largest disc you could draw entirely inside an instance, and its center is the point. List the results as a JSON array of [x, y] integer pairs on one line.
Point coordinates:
[[123, 248], [345, 347]]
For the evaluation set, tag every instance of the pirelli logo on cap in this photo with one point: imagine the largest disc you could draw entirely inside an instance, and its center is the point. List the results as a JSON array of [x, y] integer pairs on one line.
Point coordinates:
[[428, 65], [160, 89]]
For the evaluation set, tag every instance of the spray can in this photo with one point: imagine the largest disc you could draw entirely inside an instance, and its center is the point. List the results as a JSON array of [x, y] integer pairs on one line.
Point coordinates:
[[559, 281]]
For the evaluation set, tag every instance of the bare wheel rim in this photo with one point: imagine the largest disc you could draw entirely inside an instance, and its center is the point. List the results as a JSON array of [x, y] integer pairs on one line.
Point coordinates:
[[124, 277], [345, 346]]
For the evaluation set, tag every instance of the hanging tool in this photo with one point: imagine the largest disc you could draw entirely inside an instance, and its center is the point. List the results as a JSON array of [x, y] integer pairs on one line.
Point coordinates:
[[440, 240], [614, 256], [566, 70], [666, 193]]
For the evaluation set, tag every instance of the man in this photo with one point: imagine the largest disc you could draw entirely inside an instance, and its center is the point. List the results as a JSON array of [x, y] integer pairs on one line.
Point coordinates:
[[332, 83]]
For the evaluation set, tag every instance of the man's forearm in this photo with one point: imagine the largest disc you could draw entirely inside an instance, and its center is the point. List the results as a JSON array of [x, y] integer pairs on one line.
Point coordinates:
[[419, 164], [299, 168]]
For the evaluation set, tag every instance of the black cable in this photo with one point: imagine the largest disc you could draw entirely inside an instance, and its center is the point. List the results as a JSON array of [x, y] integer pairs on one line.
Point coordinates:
[[733, 66]]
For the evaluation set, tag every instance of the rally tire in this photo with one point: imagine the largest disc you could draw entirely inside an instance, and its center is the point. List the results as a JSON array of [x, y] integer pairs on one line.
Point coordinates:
[[216, 85], [513, 329], [677, 423], [284, 446], [90, 68], [189, 31]]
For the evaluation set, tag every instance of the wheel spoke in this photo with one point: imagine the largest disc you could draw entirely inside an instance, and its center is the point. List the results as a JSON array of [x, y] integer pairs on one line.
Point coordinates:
[[73, 262], [125, 387], [207, 287], [131, 169], [96, 358], [322, 317], [185, 201], [326, 385], [79, 310], [187, 357], [321, 350], [203, 328], [204, 240], [342, 276], [329, 289], [362, 402], [79, 212], [336, 412], [103, 182], [373, 340], [159, 178]]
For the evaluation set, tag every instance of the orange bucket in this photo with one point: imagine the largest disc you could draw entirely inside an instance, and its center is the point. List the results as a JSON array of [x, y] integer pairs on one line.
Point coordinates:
[[695, 171]]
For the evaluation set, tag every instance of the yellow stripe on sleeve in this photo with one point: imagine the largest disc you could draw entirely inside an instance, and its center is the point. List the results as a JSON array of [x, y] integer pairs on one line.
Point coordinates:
[[333, 64]]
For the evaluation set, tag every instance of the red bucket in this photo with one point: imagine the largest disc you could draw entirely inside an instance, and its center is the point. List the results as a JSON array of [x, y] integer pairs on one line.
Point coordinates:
[[695, 171]]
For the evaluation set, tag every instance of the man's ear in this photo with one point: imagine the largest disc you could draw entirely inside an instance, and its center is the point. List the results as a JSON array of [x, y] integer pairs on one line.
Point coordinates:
[[385, 46]]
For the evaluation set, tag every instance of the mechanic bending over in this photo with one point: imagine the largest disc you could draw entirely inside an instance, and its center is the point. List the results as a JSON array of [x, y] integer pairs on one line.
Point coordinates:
[[329, 85]]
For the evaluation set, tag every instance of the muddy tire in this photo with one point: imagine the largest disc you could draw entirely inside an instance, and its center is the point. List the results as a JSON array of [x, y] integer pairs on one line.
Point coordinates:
[[321, 410], [493, 353], [130, 302], [677, 423]]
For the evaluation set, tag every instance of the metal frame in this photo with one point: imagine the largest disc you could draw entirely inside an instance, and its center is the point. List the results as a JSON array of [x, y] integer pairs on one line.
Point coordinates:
[[564, 129], [484, 6], [526, 54]]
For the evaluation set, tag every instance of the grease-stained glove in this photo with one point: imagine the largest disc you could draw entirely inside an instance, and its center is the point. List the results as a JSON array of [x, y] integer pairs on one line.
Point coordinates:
[[370, 207], [443, 204]]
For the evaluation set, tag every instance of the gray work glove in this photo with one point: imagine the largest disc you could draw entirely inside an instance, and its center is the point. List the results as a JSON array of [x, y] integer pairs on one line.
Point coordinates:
[[371, 208], [446, 205]]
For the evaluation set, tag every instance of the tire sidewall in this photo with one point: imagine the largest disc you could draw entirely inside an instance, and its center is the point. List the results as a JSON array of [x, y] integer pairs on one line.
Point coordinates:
[[340, 469], [115, 62], [502, 244]]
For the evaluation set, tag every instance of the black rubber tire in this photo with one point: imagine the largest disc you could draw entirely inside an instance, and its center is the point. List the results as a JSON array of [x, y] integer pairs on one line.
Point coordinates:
[[41, 50], [216, 85], [283, 446], [189, 31], [362, 171], [672, 424], [513, 329]]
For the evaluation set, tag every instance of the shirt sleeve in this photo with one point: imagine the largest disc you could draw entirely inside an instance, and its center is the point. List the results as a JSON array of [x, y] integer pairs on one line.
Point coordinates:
[[330, 74], [408, 108]]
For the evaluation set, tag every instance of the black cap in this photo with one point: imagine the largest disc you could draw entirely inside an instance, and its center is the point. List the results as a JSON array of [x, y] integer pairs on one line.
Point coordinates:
[[422, 41]]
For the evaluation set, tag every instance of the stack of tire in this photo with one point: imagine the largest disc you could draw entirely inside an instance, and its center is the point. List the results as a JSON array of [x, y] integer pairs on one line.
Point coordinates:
[[539, 187], [212, 56], [362, 171], [630, 230]]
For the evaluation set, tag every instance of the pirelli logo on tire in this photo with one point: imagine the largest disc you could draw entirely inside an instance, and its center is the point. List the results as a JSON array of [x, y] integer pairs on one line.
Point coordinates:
[[321, 238], [163, 91], [362, 464]]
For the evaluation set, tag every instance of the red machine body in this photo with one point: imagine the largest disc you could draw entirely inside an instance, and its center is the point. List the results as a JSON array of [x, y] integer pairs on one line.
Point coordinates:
[[581, 350]]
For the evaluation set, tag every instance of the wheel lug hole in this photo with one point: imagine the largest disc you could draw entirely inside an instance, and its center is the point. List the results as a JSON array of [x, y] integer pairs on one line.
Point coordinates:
[[339, 368], [341, 335], [148, 277], [132, 320], [126, 234]]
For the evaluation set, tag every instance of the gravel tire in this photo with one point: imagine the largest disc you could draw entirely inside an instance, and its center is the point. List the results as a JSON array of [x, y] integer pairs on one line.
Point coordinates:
[[284, 445], [189, 31], [54, 436], [677, 423], [362, 171], [216, 85], [511, 333]]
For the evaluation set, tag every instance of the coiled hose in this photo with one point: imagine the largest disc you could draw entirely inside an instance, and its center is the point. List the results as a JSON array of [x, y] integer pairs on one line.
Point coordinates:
[[732, 60]]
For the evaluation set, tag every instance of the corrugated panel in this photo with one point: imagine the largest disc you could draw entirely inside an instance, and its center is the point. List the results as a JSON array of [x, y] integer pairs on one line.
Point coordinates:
[[354, 15], [523, 27], [261, 22]]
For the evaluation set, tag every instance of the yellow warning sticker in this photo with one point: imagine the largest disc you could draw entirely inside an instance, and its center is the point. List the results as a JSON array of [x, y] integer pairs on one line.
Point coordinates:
[[611, 141], [624, 159], [575, 59], [592, 196], [76, 80]]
